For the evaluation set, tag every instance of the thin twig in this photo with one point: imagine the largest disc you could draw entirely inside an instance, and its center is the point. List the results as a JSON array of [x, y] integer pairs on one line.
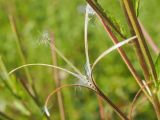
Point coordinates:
[[58, 89], [116, 46], [45, 65], [67, 61], [100, 93]]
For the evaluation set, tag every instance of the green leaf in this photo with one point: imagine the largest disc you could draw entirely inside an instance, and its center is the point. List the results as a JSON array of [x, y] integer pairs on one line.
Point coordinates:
[[136, 4], [112, 20], [17, 90], [4, 77], [10, 82], [116, 22]]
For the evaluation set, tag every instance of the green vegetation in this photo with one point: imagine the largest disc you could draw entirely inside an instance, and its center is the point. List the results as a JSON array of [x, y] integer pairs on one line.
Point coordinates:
[[45, 34]]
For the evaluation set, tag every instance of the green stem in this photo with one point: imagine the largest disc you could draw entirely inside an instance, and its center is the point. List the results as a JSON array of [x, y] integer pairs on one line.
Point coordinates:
[[132, 16], [148, 59], [120, 50], [137, 48]]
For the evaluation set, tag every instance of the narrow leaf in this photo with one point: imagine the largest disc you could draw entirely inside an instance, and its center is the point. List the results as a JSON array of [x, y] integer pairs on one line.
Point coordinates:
[[136, 4]]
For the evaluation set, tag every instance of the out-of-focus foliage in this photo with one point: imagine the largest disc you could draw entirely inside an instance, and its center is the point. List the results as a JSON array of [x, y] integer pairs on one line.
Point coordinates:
[[157, 64], [66, 19]]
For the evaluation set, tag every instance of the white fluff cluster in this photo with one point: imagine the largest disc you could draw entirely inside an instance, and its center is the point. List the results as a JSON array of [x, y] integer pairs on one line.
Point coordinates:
[[83, 80], [90, 10]]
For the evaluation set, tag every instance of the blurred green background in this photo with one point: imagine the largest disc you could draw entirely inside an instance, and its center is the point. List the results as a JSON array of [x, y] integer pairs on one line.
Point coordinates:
[[65, 19]]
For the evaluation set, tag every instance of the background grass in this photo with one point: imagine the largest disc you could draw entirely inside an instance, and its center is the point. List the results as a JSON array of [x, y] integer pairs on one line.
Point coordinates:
[[34, 18]]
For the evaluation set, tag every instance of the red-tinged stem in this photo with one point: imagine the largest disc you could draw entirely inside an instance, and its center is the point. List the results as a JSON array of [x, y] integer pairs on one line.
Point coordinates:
[[101, 13], [124, 57], [116, 109], [101, 108]]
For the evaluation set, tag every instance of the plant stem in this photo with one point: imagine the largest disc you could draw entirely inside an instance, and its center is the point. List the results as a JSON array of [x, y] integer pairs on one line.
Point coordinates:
[[137, 48], [125, 58], [115, 108], [101, 108], [140, 56], [120, 50], [57, 79], [139, 53], [115, 41], [132, 16], [137, 29], [102, 95], [103, 15]]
